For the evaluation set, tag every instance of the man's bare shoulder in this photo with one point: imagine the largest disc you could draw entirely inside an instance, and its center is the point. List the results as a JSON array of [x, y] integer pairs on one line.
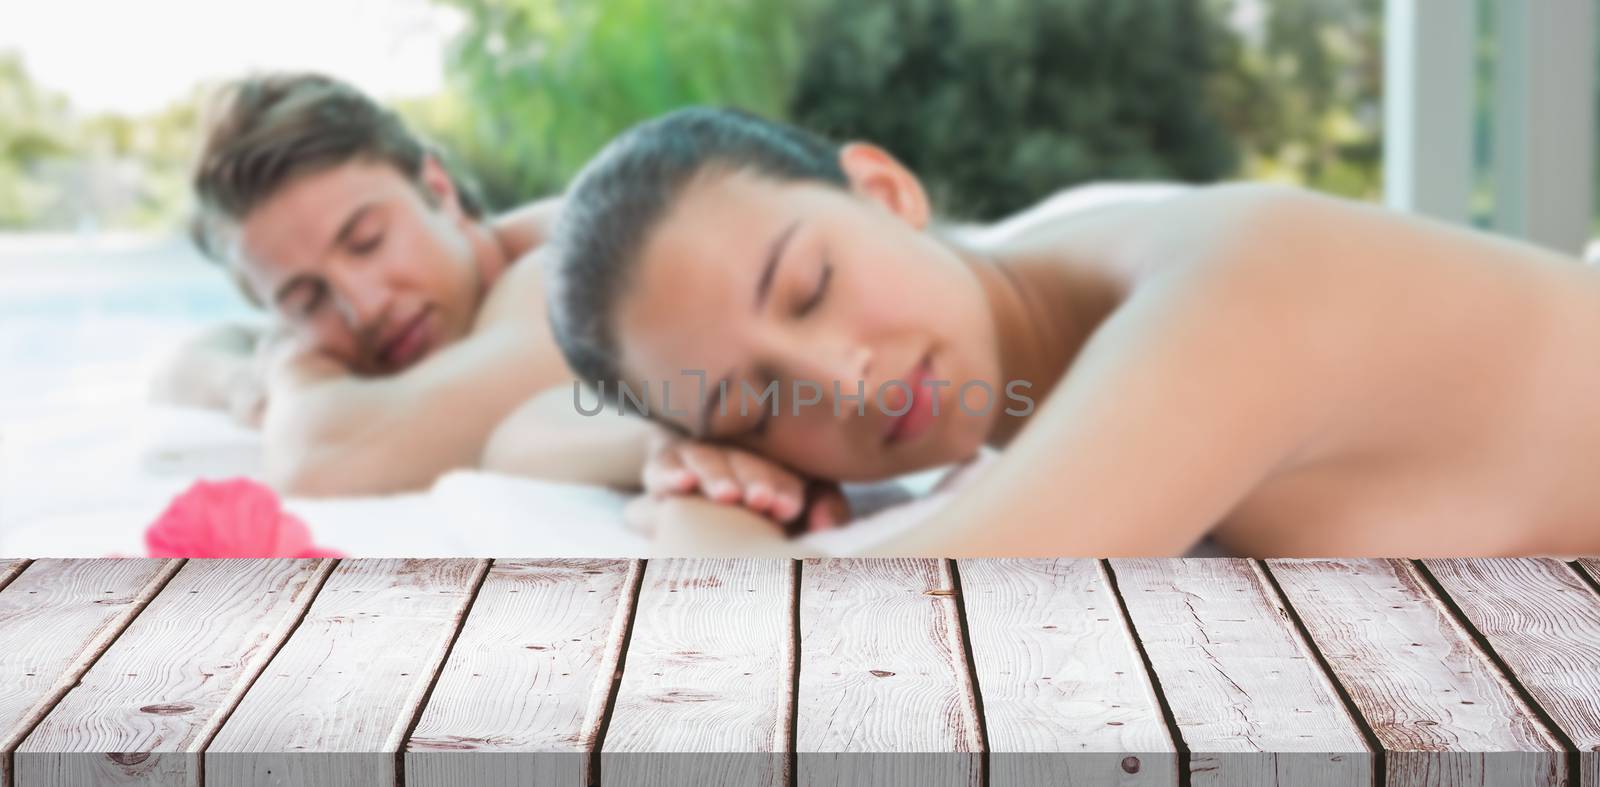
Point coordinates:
[[518, 293], [524, 229], [518, 296]]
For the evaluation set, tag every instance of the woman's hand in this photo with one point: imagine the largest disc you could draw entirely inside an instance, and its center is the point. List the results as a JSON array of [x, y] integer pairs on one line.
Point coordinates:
[[692, 526], [736, 477]]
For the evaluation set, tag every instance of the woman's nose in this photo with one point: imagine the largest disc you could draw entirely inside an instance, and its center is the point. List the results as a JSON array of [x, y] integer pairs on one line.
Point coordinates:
[[834, 383], [857, 364], [845, 367]]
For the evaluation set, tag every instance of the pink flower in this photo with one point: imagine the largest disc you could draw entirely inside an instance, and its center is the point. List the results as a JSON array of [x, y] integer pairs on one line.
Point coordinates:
[[233, 518]]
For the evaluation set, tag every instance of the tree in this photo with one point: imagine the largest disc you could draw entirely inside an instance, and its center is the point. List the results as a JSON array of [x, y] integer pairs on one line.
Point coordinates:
[[34, 126], [997, 103], [540, 85], [1299, 84]]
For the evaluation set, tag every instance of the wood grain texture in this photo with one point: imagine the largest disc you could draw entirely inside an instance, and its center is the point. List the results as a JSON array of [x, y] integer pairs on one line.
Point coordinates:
[[56, 618], [9, 569], [335, 704], [148, 707], [1246, 694], [1443, 713], [1590, 566], [706, 695], [885, 697], [1066, 697], [1543, 621], [521, 699]]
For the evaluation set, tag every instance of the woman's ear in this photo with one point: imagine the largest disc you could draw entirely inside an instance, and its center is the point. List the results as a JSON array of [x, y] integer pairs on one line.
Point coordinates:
[[440, 188], [876, 175]]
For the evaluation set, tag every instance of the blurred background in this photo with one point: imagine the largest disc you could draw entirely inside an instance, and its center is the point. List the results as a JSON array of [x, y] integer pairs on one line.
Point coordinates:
[[1476, 111], [996, 102]]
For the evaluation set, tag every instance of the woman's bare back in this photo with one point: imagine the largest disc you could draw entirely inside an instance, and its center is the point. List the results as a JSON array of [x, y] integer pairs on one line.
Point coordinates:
[[1460, 414]]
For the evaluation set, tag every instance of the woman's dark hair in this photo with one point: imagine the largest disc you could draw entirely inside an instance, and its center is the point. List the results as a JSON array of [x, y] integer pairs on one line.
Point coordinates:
[[621, 195]]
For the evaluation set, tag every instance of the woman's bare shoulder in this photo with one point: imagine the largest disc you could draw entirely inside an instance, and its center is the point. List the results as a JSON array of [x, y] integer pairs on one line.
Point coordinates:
[[1068, 204], [1132, 231]]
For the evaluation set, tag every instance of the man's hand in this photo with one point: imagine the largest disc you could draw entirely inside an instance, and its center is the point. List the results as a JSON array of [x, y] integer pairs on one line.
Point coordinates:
[[222, 368], [275, 357], [287, 363], [733, 476]]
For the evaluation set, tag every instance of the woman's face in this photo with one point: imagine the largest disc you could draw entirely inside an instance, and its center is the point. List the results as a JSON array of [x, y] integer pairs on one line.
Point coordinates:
[[755, 282]]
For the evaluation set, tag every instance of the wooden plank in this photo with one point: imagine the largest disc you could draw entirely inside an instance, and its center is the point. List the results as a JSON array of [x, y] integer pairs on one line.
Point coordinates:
[[56, 618], [1543, 621], [707, 693], [148, 707], [1443, 713], [522, 697], [885, 697], [335, 704], [1249, 699], [1066, 698], [9, 569], [1590, 566]]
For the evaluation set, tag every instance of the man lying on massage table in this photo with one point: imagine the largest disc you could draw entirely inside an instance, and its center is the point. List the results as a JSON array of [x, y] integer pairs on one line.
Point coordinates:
[[406, 323]]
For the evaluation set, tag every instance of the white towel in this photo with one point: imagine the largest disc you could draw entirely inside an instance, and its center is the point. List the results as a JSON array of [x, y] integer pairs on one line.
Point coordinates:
[[89, 489]]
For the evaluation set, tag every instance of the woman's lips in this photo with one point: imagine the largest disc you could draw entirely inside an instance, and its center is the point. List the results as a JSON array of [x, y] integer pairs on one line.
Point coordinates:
[[413, 341], [918, 416]]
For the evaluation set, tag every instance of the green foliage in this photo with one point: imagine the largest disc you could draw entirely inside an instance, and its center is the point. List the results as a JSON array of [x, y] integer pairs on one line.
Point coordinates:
[[1301, 91], [541, 85], [61, 171], [997, 103], [33, 128]]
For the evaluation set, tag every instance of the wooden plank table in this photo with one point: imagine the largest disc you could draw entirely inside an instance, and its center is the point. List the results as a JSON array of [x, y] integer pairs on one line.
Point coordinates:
[[396, 673]]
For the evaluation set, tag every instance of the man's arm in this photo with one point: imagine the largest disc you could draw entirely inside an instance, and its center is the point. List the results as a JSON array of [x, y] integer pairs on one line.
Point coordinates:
[[328, 432]]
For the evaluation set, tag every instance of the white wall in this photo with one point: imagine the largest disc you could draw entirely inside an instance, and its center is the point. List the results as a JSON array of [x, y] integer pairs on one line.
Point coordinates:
[[1544, 127]]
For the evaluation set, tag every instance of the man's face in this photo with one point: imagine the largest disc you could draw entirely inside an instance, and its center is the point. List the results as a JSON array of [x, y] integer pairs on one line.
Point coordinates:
[[364, 266]]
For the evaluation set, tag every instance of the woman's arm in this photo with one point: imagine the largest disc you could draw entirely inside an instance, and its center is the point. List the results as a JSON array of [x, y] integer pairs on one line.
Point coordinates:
[[692, 526], [548, 437], [1208, 380]]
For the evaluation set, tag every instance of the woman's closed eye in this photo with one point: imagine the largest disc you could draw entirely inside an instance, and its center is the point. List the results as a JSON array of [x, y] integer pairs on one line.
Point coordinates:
[[752, 433], [366, 245], [821, 289], [760, 429]]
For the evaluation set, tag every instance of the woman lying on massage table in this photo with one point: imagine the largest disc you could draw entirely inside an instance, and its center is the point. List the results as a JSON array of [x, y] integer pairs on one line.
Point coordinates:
[[1290, 373]]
